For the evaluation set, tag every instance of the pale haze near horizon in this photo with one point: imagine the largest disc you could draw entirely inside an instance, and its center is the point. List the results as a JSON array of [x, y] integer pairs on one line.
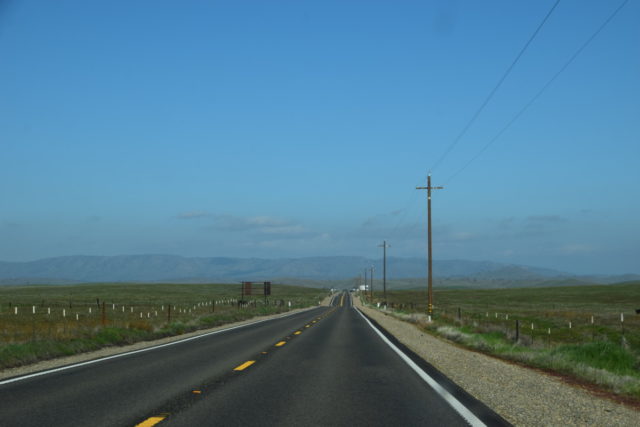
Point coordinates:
[[291, 129]]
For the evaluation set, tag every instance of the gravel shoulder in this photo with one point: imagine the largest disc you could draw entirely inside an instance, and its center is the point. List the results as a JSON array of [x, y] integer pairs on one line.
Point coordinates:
[[110, 351], [524, 397]]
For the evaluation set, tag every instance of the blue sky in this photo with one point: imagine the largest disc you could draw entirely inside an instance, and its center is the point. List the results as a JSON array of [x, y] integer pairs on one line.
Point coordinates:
[[301, 128]]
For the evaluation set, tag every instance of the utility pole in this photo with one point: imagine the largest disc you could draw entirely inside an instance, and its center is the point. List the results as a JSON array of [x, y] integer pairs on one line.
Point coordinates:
[[365, 283], [372, 283], [429, 258], [384, 247]]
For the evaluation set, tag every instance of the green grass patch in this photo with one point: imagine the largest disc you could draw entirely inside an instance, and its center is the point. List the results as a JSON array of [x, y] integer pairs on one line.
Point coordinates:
[[600, 355]]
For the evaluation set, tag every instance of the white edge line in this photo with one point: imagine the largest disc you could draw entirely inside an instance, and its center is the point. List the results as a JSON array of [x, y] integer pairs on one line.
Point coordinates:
[[465, 413], [142, 350]]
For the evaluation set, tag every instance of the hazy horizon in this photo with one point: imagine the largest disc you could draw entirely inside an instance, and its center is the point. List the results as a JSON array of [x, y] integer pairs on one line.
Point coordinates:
[[378, 260]]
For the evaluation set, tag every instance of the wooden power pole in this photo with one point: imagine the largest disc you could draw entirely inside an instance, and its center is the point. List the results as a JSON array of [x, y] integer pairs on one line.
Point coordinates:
[[365, 284], [429, 258], [384, 247], [371, 278]]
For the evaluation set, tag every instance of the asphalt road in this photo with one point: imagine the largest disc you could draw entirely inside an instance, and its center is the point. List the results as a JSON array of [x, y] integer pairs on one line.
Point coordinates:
[[326, 366]]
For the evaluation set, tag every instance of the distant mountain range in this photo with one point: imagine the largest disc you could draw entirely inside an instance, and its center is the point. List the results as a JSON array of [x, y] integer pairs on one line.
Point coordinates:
[[313, 271]]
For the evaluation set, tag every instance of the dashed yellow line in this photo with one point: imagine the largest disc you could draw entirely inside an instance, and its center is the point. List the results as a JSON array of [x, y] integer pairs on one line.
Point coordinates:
[[151, 421], [244, 366]]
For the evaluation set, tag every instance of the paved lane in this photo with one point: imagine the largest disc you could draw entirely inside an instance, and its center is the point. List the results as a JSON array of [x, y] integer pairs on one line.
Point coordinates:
[[337, 372]]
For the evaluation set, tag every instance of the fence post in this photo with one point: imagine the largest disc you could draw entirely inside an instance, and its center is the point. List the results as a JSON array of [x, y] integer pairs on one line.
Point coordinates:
[[168, 313], [531, 333], [104, 315], [517, 330]]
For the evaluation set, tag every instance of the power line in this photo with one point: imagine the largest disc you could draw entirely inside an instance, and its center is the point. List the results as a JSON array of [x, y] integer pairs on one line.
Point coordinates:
[[494, 90], [541, 91], [411, 199]]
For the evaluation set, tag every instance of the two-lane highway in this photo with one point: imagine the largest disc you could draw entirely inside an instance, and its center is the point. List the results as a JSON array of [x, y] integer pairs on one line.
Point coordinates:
[[325, 366]]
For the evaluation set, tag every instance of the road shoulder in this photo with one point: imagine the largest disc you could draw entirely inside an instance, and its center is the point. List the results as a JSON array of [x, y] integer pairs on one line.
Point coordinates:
[[520, 395]]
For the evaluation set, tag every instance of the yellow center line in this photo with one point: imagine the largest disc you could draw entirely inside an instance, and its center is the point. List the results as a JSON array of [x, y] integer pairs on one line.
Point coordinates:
[[297, 332], [281, 343], [150, 422], [307, 326], [244, 366]]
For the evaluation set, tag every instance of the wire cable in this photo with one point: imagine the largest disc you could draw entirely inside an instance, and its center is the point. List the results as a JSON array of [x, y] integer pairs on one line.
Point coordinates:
[[494, 90], [540, 92]]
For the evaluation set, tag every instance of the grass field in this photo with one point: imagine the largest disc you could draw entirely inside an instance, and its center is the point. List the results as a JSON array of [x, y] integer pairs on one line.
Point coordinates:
[[41, 322], [590, 332]]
